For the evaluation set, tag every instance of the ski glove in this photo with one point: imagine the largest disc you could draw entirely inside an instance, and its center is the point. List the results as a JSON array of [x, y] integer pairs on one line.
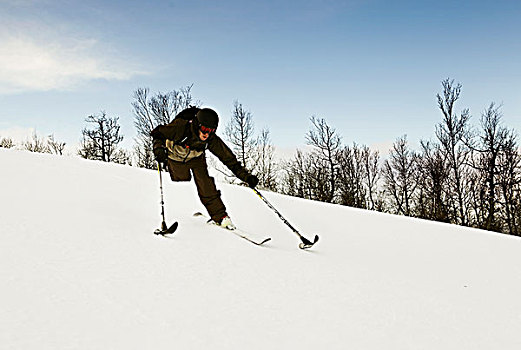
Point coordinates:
[[161, 154], [252, 181]]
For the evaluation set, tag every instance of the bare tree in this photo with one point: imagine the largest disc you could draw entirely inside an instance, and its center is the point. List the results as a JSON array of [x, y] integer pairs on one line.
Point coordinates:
[[371, 165], [264, 157], [326, 143], [55, 147], [295, 178], [351, 176], [493, 139], [37, 144], [400, 176], [305, 176], [122, 156], [452, 133], [151, 111], [510, 184], [6, 142], [433, 174], [143, 154], [101, 142], [240, 133]]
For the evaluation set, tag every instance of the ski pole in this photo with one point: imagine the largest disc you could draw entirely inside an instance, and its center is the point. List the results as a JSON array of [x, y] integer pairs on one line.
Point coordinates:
[[163, 224], [164, 228], [305, 242]]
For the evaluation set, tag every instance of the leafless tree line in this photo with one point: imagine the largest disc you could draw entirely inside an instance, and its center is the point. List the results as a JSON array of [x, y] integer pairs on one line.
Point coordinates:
[[36, 144], [466, 175], [333, 172]]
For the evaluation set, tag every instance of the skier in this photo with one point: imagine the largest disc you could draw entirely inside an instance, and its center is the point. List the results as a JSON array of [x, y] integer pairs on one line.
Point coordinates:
[[181, 146]]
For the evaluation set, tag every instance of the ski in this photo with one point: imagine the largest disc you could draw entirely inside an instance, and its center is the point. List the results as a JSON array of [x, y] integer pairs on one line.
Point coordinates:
[[238, 232], [164, 230]]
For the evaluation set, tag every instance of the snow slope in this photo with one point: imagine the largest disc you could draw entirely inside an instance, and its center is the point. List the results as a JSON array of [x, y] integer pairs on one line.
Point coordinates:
[[81, 269]]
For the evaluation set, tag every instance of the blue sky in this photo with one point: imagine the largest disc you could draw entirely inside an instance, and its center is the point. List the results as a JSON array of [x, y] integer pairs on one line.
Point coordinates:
[[370, 68]]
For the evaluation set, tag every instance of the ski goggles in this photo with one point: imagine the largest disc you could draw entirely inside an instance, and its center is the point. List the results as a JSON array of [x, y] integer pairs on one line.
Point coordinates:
[[206, 130]]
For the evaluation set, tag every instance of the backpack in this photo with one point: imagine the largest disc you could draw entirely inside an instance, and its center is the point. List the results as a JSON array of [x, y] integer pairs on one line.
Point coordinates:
[[187, 113]]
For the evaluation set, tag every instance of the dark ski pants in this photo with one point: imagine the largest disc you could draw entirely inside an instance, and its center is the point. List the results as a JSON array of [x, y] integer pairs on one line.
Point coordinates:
[[209, 195]]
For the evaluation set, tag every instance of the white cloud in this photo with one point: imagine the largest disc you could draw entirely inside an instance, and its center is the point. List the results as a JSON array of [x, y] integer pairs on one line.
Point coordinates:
[[30, 64]]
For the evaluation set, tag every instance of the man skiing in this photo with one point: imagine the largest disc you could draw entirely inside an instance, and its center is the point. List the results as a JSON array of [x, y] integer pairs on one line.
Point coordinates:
[[181, 145]]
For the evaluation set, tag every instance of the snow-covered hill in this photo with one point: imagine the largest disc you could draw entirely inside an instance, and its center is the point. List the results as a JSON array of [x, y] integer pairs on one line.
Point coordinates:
[[81, 269]]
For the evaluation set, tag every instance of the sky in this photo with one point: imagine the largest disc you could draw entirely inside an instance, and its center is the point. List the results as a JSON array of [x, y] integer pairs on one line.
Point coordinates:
[[370, 68]]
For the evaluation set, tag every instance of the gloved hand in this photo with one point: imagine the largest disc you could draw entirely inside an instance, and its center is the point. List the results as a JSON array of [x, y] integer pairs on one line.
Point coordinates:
[[252, 181], [161, 154]]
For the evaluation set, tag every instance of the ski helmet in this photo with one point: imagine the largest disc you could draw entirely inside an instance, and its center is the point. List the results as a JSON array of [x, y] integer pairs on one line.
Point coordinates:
[[208, 117]]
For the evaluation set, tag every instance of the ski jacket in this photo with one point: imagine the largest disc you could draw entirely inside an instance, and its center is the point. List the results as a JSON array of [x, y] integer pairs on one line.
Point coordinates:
[[181, 139]]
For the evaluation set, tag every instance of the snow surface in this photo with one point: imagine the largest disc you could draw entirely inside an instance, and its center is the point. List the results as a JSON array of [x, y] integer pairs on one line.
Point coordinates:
[[81, 269]]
